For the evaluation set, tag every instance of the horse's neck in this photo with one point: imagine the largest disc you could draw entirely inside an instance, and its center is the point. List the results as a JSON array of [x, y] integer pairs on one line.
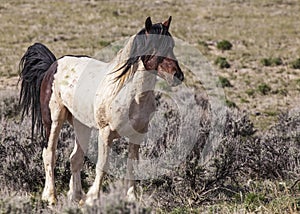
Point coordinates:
[[140, 85], [138, 82], [130, 95], [143, 80]]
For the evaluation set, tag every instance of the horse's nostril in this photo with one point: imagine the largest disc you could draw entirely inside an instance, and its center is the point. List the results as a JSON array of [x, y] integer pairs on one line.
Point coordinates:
[[179, 75]]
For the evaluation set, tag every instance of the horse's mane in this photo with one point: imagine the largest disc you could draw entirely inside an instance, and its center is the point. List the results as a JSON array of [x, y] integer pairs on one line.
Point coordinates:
[[137, 49]]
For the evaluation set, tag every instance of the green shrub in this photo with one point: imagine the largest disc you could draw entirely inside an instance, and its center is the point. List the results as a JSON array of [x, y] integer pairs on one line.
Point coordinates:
[[180, 210], [243, 100], [104, 43], [271, 113], [296, 64], [271, 61], [264, 88], [253, 200], [222, 62], [277, 61], [230, 104], [224, 45], [250, 92], [224, 82], [266, 62], [202, 43]]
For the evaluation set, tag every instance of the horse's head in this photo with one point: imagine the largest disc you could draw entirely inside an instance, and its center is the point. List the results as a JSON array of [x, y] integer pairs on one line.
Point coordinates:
[[158, 54], [154, 46]]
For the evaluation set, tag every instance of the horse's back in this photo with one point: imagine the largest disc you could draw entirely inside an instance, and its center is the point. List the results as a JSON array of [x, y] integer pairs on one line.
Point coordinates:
[[76, 82]]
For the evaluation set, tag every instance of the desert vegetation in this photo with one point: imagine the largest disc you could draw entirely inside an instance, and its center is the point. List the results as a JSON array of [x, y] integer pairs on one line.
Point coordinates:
[[222, 62], [253, 47], [251, 171], [224, 45]]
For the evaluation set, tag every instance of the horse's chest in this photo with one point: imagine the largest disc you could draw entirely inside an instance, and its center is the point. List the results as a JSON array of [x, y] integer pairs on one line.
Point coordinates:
[[132, 116]]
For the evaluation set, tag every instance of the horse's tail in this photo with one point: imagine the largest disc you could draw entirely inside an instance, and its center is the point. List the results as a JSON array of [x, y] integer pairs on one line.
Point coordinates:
[[33, 65]]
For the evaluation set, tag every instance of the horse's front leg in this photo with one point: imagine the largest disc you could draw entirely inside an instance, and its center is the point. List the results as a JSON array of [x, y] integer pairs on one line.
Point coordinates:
[[76, 161], [105, 140], [58, 115], [132, 163]]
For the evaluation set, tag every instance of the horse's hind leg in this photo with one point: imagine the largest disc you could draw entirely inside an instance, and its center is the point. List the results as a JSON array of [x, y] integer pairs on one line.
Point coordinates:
[[77, 157], [58, 116]]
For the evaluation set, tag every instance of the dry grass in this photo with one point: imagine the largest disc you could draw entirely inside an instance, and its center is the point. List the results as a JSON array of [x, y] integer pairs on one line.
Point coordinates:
[[257, 29]]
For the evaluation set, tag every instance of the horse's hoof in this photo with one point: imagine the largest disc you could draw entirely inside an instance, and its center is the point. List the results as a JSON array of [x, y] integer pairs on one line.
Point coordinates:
[[90, 202], [81, 203], [50, 199], [76, 197], [131, 195]]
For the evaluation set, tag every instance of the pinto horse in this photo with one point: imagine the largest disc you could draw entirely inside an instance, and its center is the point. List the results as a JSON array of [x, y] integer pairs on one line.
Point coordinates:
[[116, 98]]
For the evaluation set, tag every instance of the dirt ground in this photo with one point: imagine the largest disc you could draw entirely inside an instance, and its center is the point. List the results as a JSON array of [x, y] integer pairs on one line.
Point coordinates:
[[257, 29]]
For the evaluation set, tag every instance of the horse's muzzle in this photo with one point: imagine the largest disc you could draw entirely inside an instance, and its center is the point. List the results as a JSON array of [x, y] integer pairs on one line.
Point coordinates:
[[178, 78]]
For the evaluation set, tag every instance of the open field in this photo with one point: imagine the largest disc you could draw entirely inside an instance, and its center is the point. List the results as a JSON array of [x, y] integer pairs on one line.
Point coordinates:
[[257, 30], [264, 164]]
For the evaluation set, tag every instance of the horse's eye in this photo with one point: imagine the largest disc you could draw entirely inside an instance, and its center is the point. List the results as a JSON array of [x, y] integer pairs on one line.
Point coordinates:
[[160, 59]]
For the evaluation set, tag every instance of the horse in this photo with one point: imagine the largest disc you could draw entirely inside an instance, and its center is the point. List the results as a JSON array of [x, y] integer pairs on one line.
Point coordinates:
[[117, 98]]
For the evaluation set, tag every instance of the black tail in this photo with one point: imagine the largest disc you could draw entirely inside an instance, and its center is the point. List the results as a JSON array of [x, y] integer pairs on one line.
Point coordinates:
[[33, 65]]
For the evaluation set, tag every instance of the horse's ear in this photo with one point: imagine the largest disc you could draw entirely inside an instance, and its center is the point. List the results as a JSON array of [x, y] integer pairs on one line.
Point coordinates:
[[148, 24], [167, 22]]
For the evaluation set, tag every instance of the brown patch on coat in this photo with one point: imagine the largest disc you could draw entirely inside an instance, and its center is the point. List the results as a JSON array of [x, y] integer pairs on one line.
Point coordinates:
[[45, 95]]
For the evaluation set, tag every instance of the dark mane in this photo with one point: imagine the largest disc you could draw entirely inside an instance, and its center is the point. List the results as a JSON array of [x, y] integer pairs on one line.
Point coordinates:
[[141, 47]]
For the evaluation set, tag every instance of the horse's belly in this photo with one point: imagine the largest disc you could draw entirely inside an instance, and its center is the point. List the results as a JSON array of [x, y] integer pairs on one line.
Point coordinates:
[[77, 80]]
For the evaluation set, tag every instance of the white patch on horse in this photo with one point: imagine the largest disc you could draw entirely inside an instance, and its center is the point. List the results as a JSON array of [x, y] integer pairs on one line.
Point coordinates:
[[77, 80]]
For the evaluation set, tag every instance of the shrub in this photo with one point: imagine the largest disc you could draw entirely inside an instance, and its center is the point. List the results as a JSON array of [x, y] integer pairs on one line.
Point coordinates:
[[222, 62], [224, 45], [224, 82], [250, 92], [264, 88], [296, 64], [202, 43], [104, 43], [242, 155], [231, 104], [277, 61], [252, 201], [243, 100], [271, 61], [266, 62], [9, 107]]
